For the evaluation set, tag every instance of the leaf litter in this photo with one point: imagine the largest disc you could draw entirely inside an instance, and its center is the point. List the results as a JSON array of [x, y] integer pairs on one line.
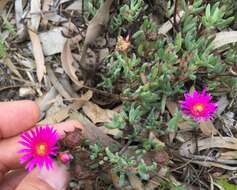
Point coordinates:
[[54, 71]]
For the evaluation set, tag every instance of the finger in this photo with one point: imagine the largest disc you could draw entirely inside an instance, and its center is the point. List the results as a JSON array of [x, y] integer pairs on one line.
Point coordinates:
[[12, 179], [17, 116], [9, 158], [54, 179]]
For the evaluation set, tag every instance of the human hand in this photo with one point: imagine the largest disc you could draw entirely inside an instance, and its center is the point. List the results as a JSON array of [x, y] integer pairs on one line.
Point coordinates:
[[16, 117]]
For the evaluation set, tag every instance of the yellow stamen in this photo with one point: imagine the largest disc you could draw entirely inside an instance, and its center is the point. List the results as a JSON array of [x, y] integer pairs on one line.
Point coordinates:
[[198, 107], [41, 149]]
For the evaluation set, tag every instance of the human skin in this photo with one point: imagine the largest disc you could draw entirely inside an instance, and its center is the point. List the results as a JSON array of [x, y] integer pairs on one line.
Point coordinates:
[[16, 117]]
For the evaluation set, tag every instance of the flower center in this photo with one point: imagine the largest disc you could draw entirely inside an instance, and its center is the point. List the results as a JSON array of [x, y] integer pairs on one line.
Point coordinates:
[[41, 149], [197, 108]]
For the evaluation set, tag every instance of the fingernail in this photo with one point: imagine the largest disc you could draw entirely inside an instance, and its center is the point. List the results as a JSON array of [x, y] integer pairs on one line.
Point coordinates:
[[57, 177]]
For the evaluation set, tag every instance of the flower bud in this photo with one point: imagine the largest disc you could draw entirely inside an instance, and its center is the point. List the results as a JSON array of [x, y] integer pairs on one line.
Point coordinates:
[[65, 157]]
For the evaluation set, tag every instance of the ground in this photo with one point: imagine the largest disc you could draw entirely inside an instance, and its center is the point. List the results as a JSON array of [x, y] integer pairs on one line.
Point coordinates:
[[121, 68]]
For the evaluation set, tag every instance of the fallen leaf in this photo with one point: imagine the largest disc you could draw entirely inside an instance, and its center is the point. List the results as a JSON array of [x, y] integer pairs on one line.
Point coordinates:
[[155, 139], [135, 183], [21, 29], [58, 86], [97, 114], [208, 128], [94, 29], [117, 133], [57, 117], [63, 113], [93, 133], [188, 148], [3, 3], [52, 41], [229, 155], [56, 105], [115, 179], [152, 184], [75, 6], [12, 67], [214, 164], [223, 38], [160, 157], [67, 61], [172, 107], [222, 104], [35, 11], [38, 54], [45, 102], [24, 92], [167, 26], [45, 8], [98, 22]]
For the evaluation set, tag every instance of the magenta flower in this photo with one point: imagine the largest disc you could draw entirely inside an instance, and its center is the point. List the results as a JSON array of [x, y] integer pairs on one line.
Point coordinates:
[[198, 105], [39, 147]]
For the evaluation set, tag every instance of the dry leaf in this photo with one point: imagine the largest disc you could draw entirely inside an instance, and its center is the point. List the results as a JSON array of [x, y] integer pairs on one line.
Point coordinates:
[[33, 25], [58, 86], [155, 139], [98, 22], [3, 3], [117, 133], [222, 105], [153, 184], [97, 114], [63, 113], [35, 10], [45, 102], [45, 8], [12, 67], [115, 179], [38, 55], [57, 117], [24, 92], [167, 26], [208, 128], [67, 61], [223, 38], [56, 105], [229, 155], [214, 164], [188, 148], [96, 25], [21, 30], [52, 41], [172, 107], [136, 183], [91, 132], [76, 6]]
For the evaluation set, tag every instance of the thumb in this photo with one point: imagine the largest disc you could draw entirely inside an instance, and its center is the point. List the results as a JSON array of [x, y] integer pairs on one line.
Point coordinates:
[[43, 179]]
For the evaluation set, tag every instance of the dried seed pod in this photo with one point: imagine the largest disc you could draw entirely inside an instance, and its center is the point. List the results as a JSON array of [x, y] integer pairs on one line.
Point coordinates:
[[160, 157], [72, 139]]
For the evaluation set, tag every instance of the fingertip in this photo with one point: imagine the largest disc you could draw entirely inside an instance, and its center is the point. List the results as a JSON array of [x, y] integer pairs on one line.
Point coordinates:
[[56, 178], [17, 116], [33, 109]]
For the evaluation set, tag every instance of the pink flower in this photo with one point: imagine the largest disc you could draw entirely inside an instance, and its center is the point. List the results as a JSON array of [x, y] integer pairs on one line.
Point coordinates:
[[65, 157], [39, 147], [198, 105]]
